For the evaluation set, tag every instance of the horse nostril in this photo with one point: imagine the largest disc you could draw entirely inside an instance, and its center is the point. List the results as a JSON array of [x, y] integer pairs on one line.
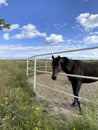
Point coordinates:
[[54, 77]]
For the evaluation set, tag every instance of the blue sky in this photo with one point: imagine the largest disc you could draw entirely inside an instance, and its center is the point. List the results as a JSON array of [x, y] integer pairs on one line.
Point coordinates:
[[42, 26]]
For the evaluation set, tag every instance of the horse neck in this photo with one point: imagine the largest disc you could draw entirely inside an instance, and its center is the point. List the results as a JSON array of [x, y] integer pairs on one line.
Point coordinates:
[[67, 68], [63, 66]]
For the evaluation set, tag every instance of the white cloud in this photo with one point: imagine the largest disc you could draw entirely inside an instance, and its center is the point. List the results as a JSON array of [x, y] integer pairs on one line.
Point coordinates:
[[3, 2], [29, 31], [88, 21], [91, 39], [12, 27], [53, 38], [23, 52], [6, 36]]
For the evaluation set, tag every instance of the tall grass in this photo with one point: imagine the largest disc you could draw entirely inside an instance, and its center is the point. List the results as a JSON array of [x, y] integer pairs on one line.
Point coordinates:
[[20, 111], [18, 108], [88, 120]]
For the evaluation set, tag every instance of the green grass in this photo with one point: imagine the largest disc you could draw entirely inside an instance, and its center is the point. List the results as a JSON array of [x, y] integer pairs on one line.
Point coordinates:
[[18, 108], [88, 120], [20, 111]]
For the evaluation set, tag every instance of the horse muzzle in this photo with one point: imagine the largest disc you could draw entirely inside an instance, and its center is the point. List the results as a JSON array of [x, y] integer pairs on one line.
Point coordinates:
[[54, 77]]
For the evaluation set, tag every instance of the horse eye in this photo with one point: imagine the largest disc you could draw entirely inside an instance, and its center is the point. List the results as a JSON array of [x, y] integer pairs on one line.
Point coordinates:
[[56, 66]]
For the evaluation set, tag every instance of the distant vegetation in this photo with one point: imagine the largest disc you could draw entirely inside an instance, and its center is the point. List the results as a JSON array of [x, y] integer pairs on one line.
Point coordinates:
[[3, 24], [19, 109]]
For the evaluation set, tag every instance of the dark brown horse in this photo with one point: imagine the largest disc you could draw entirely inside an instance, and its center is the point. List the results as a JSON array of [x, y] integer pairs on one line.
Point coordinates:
[[76, 67]]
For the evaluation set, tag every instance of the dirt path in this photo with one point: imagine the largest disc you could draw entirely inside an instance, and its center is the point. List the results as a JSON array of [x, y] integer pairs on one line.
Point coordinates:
[[58, 103]]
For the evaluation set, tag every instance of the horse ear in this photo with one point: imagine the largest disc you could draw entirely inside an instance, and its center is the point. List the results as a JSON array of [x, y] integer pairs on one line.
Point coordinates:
[[52, 57], [59, 57]]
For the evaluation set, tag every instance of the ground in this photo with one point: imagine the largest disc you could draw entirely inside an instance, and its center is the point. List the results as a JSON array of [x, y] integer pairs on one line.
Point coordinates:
[[60, 103]]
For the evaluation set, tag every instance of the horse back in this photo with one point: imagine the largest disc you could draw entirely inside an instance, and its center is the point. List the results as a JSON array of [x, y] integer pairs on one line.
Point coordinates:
[[89, 69]]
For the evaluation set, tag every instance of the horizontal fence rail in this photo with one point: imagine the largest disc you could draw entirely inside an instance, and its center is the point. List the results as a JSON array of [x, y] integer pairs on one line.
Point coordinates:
[[71, 95], [59, 52], [70, 75], [34, 70]]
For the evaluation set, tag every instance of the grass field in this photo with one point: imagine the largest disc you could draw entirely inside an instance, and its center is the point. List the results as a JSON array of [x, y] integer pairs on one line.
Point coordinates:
[[19, 109]]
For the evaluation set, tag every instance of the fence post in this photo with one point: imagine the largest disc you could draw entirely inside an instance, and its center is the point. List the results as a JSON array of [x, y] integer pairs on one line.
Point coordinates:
[[45, 66], [34, 74], [27, 73]]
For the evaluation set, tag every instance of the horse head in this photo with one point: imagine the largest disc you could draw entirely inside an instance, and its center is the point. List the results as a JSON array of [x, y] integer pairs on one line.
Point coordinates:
[[56, 66], [60, 63]]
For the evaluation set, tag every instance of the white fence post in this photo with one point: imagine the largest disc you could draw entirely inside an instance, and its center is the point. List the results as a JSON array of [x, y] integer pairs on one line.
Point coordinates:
[[45, 66], [27, 73], [34, 74]]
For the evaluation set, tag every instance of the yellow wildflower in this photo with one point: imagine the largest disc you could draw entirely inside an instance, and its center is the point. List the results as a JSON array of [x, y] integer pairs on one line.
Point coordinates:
[[37, 108], [74, 128], [36, 128], [36, 113], [5, 98]]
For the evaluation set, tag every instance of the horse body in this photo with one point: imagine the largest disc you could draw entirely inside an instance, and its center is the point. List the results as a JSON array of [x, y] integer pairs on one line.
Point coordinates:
[[76, 67], [85, 69]]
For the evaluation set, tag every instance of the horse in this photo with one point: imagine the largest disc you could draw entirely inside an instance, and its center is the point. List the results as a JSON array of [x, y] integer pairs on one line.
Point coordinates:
[[76, 67]]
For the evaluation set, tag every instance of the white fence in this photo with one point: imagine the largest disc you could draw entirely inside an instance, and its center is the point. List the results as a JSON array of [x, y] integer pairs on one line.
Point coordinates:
[[34, 70]]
